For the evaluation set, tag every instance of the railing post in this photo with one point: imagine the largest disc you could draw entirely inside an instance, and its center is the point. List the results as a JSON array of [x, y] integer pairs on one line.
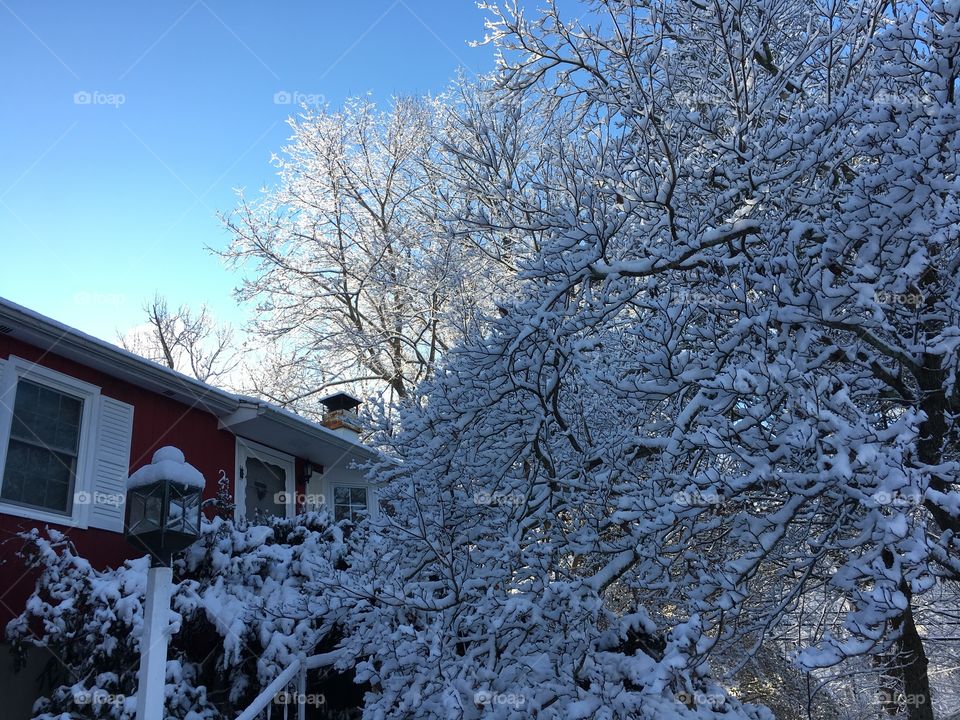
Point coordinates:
[[302, 689], [294, 675]]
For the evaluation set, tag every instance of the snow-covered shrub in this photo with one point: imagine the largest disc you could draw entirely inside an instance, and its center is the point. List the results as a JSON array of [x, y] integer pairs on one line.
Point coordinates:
[[240, 614]]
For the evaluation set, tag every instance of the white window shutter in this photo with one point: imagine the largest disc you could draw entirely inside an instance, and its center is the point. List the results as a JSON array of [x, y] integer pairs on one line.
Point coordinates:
[[111, 464]]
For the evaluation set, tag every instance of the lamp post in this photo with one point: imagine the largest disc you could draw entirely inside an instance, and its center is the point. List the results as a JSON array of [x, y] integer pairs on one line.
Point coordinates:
[[163, 517]]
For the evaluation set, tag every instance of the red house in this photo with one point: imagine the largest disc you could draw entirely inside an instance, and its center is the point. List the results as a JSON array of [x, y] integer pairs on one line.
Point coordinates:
[[78, 415]]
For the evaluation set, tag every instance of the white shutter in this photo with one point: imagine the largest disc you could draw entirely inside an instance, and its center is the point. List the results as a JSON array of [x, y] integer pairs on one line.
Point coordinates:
[[111, 464]]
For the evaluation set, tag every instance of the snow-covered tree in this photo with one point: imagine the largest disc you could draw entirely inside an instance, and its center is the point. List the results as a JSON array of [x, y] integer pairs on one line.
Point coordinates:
[[348, 260], [728, 382], [188, 341]]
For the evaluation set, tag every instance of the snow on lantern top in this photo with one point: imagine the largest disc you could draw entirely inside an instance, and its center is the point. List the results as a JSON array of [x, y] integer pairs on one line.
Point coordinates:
[[168, 464]]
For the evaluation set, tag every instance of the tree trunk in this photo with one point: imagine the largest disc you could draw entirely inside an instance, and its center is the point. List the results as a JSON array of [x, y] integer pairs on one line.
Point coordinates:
[[931, 379], [907, 662], [912, 661]]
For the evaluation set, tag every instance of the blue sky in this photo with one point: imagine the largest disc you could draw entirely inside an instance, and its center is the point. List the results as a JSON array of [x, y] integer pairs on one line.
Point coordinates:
[[127, 125]]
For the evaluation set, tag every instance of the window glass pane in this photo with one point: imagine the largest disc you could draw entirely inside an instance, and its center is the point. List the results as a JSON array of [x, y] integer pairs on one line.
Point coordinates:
[[47, 402], [266, 489], [18, 461], [26, 395], [349, 503], [191, 514], [20, 429], [41, 463], [70, 411], [44, 430], [56, 496], [65, 436]]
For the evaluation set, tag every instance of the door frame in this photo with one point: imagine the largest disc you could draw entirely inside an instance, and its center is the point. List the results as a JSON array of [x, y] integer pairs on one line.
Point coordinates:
[[249, 448]]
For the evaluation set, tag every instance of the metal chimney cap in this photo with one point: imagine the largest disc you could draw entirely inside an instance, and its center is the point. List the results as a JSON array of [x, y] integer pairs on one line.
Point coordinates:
[[340, 401]]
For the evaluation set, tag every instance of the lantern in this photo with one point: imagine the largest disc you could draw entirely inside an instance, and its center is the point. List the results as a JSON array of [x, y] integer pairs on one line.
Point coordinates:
[[163, 503]]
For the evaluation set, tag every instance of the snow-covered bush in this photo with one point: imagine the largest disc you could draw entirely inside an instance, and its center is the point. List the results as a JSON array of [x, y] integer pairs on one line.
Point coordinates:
[[240, 614]]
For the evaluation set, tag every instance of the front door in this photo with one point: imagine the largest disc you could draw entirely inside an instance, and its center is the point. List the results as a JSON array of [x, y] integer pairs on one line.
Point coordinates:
[[266, 484]]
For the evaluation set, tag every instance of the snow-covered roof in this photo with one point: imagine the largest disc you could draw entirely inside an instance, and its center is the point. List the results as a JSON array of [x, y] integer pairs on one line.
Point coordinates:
[[252, 418]]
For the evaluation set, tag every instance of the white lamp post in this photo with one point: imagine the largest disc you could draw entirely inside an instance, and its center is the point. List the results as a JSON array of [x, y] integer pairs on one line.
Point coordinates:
[[163, 502]]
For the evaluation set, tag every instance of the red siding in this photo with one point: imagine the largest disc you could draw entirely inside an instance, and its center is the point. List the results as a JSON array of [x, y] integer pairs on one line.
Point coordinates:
[[157, 421]]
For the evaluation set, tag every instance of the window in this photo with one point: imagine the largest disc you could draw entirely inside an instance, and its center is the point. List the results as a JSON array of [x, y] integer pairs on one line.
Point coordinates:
[[56, 464], [43, 449], [349, 503]]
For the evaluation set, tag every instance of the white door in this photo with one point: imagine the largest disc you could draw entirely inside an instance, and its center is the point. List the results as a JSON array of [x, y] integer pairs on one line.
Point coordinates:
[[265, 482]]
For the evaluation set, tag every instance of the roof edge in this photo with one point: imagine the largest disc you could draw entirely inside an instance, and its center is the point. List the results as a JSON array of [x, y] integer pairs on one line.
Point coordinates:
[[214, 399], [156, 378]]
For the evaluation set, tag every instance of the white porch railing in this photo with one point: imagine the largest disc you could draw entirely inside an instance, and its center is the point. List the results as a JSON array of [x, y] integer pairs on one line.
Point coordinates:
[[293, 682]]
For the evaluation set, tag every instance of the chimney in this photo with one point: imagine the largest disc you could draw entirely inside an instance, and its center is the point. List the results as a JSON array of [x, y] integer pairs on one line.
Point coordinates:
[[341, 414]]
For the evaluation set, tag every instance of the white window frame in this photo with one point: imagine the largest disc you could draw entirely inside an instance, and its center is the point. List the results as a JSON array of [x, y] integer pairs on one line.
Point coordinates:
[[247, 449], [16, 369]]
